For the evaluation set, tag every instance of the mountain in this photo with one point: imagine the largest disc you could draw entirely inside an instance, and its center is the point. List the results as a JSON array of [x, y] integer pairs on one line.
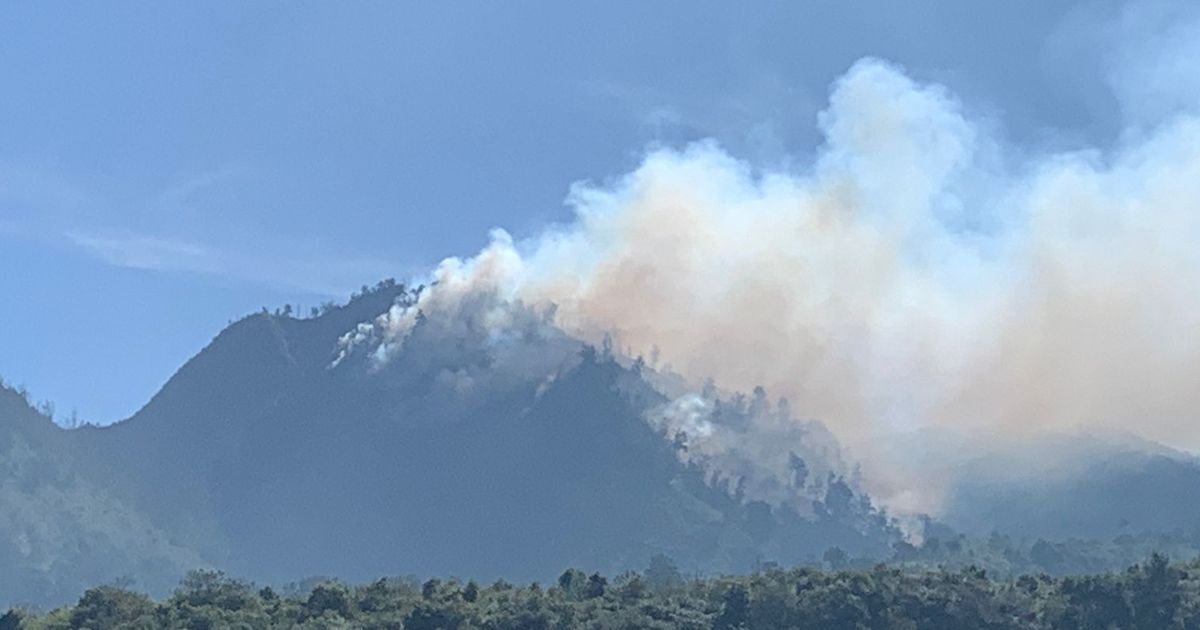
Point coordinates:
[[481, 441], [1103, 490], [62, 529], [1054, 485], [471, 453]]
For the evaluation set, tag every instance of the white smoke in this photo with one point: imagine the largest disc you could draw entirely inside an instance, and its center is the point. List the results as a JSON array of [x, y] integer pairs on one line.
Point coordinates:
[[915, 273], [761, 449], [477, 294]]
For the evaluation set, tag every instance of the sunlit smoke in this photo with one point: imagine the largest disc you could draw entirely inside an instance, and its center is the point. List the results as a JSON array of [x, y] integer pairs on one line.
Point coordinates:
[[916, 273]]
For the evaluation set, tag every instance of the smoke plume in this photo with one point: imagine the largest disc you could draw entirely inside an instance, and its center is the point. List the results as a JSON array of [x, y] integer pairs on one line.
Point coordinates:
[[915, 272]]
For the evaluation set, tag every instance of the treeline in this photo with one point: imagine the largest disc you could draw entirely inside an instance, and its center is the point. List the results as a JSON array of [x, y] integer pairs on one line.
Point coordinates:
[[1152, 594], [409, 295], [1006, 557]]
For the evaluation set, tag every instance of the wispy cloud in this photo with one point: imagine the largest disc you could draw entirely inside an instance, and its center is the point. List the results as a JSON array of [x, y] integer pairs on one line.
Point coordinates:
[[318, 273], [139, 251], [43, 206], [194, 185]]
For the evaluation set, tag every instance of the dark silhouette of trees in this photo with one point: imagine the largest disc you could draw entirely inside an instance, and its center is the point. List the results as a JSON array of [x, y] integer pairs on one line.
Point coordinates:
[[836, 558], [662, 575], [735, 608], [1154, 594], [12, 620], [106, 607]]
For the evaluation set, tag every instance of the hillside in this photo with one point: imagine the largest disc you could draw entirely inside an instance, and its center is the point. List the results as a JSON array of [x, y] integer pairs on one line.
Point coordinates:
[[298, 447], [61, 528], [463, 457]]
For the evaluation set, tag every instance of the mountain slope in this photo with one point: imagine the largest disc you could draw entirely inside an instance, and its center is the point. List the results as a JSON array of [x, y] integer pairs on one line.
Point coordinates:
[[294, 447], [469, 453], [62, 530]]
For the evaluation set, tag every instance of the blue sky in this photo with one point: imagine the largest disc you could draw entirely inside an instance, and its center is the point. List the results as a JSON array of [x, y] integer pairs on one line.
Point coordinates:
[[168, 167]]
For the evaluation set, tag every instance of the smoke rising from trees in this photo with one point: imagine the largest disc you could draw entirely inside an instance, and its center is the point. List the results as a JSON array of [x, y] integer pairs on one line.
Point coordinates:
[[916, 271]]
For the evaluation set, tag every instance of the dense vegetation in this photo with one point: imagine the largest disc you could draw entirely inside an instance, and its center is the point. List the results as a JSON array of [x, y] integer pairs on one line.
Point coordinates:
[[1153, 594]]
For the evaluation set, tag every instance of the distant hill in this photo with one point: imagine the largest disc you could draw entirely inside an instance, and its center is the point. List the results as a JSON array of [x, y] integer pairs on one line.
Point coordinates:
[[1052, 485], [62, 528], [1110, 491]]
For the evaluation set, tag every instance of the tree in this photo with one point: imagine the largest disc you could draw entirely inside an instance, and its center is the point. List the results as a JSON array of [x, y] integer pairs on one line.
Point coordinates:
[[662, 575], [471, 592], [431, 616], [12, 619], [330, 596], [595, 587], [1155, 595], [214, 588], [1045, 555], [430, 588], [573, 583], [107, 607], [631, 587], [799, 470], [735, 608], [1094, 601], [836, 558]]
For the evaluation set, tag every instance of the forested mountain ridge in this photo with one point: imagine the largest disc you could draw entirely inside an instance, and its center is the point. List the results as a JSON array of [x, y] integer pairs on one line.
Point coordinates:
[[277, 453], [460, 457]]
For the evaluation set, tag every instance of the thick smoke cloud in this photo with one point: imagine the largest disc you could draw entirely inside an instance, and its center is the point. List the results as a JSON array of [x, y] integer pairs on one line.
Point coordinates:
[[915, 272]]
